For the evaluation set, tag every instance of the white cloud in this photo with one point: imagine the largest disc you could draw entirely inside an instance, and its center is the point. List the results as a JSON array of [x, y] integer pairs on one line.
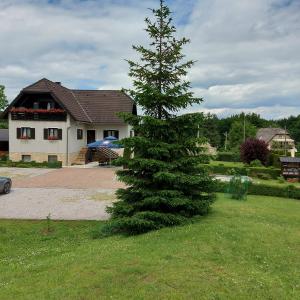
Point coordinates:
[[247, 52]]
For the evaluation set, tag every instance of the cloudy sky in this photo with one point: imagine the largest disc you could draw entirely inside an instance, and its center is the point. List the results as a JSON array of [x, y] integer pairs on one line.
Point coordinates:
[[247, 51]]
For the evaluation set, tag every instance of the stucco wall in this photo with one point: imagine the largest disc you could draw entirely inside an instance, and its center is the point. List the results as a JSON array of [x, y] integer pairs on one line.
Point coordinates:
[[39, 148], [38, 145]]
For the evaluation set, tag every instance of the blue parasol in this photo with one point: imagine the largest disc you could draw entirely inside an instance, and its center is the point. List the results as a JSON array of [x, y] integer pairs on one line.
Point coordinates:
[[107, 142]]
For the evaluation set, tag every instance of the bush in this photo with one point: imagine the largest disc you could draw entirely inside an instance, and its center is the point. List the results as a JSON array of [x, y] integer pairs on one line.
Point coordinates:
[[256, 163], [274, 160], [254, 150], [228, 156], [289, 191], [264, 176], [32, 164], [272, 173]]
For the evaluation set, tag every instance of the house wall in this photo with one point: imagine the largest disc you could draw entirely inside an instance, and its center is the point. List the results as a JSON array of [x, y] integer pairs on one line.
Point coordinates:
[[39, 149]]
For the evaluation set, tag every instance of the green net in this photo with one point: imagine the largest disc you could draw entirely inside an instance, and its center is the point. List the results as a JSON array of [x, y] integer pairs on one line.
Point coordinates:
[[238, 187]]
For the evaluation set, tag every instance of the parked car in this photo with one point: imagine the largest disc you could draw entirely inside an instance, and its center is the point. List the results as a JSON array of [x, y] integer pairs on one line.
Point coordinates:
[[5, 185]]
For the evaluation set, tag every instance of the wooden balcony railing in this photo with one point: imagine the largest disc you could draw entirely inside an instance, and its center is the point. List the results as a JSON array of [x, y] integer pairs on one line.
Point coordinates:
[[29, 114]]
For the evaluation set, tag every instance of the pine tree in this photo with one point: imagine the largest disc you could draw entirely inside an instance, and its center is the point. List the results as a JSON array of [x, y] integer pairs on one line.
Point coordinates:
[[166, 185]]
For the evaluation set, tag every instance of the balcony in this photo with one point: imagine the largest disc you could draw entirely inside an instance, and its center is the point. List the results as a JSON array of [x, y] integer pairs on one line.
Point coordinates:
[[30, 114]]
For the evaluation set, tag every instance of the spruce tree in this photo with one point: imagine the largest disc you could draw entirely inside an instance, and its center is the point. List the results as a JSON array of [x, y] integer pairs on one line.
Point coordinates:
[[166, 185]]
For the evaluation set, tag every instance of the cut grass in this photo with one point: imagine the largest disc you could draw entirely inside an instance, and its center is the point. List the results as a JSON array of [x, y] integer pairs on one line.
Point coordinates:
[[242, 250]]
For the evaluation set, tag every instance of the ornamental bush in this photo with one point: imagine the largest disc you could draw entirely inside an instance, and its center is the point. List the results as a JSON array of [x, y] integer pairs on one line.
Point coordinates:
[[254, 149]]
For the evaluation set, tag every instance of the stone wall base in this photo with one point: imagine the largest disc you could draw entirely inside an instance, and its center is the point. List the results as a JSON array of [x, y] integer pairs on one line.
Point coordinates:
[[41, 157]]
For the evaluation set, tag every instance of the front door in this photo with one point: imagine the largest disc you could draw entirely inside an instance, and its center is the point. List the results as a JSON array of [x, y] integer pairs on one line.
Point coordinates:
[[90, 136]]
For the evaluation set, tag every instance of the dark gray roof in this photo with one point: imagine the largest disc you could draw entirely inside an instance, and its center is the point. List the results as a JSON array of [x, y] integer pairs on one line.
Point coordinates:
[[90, 106], [266, 134], [3, 135], [290, 159]]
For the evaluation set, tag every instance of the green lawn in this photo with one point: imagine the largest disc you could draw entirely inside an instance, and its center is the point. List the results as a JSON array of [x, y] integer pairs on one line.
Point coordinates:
[[242, 250]]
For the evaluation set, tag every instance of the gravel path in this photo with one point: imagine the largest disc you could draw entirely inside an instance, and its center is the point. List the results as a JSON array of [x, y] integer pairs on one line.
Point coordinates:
[[60, 203]]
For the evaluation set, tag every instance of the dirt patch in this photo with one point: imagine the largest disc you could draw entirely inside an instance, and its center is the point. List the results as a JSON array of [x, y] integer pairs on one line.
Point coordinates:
[[72, 178]]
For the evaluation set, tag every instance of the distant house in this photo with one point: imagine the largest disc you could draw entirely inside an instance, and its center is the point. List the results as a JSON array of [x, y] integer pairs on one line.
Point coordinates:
[[49, 122], [290, 167], [277, 139]]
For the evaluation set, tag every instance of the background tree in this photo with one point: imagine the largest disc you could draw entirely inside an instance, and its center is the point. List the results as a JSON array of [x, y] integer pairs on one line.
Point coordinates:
[[166, 185], [3, 105], [3, 99], [236, 133], [254, 149], [209, 130]]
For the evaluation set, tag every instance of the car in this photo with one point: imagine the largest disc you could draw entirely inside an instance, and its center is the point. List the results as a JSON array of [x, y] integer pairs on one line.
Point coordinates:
[[5, 185]]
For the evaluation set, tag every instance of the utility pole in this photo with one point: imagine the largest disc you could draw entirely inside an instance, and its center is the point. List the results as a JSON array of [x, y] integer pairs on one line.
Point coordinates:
[[226, 134], [285, 140]]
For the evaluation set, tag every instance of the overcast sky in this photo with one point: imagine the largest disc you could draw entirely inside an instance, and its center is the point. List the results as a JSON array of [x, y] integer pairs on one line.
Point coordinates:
[[247, 51]]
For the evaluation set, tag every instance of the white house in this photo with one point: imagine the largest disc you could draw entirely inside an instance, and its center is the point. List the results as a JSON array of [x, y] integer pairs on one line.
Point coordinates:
[[49, 122], [277, 139]]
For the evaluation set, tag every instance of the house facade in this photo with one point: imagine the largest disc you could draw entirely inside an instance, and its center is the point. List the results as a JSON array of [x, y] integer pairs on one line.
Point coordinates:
[[277, 139], [49, 122]]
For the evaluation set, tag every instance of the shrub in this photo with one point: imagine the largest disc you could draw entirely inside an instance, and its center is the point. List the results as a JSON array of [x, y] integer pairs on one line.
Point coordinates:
[[228, 156], [274, 160], [289, 191], [254, 149], [272, 173], [31, 164], [256, 163], [264, 176]]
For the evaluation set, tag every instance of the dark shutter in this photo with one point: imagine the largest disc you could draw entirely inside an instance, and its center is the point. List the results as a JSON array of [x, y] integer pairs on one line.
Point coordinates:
[[45, 133], [32, 133], [18, 133], [116, 134], [59, 131], [79, 134]]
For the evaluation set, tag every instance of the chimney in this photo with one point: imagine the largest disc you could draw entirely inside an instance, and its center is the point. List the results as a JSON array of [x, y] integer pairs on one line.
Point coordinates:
[[58, 82]]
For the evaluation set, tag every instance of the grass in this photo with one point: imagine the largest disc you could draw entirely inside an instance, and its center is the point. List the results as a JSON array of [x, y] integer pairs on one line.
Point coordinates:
[[242, 250]]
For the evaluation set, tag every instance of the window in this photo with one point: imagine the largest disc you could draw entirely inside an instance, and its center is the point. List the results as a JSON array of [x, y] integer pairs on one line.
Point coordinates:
[[114, 133], [52, 158], [26, 133], [79, 134], [26, 158], [131, 133], [52, 134]]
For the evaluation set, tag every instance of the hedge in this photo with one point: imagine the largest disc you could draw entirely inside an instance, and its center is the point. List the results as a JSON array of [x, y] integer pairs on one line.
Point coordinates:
[[268, 173], [289, 191], [32, 164], [228, 156]]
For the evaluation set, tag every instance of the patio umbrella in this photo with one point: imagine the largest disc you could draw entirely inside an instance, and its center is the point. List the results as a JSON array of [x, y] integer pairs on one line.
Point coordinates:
[[107, 142]]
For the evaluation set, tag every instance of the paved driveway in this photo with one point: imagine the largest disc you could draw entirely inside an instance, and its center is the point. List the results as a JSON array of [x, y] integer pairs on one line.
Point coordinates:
[[66, 194]]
